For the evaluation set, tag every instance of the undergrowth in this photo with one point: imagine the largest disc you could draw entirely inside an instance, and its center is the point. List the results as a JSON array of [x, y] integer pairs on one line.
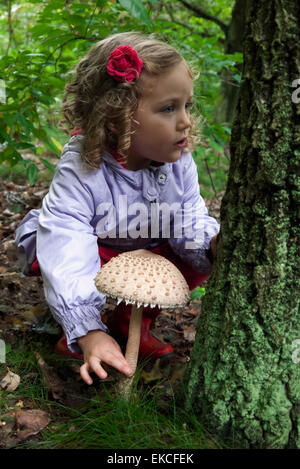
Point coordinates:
[[97, 418]]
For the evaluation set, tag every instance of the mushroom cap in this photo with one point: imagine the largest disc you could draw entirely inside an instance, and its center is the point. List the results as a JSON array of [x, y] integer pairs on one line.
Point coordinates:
[[143, 277]]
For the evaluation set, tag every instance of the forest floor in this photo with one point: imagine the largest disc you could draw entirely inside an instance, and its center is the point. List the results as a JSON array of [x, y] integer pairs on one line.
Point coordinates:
[[50, 388]]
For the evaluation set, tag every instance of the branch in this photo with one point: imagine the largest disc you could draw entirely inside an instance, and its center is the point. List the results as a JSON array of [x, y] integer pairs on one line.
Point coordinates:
[[211, 180], [184, 25], [10, 28], [91, 18], [77, 37], [200, 13]]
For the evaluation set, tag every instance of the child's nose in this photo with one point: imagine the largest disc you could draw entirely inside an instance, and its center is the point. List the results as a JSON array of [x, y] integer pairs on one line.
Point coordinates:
[[184, 120]]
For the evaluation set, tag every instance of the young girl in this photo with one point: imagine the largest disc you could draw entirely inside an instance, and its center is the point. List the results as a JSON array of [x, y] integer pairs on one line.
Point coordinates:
[[126, 180]]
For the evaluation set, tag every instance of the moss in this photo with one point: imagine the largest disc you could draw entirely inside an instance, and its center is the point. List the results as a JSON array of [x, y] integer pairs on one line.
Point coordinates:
[[241, 377]]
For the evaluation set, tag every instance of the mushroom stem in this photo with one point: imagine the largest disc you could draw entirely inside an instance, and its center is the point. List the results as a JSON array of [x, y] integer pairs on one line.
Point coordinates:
[[132, 347]]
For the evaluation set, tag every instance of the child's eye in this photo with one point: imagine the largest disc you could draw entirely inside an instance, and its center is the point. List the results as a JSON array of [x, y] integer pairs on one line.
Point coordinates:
[[189, 105], [168, 109], [171, 108]]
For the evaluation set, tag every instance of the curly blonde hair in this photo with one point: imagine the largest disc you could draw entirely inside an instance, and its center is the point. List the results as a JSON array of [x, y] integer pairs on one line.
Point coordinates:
[[102, 107]]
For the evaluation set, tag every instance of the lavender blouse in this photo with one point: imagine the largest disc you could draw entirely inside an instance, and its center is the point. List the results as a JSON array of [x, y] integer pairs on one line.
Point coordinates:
[[125, 210]]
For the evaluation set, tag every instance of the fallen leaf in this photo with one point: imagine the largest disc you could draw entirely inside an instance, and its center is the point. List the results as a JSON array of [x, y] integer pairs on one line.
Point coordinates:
[[194, 311], [189, 334], [18, 325], [8, 212], [3, 269], [177, 373], [32, 313], [30, 422], [10, 382], [154, 374], [10, 249], [52, 381]]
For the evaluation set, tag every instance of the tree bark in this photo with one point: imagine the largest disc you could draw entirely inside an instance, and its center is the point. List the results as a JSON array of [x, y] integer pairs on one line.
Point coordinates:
[[243, 381]]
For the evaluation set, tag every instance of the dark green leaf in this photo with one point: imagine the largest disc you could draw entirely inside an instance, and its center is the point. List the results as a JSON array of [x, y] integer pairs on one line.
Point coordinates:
[[101, 3], [136, 9], [216, 146], [25, 145], [10, 155], [31, 173], [48, 165], [237, 77], [25, 123]]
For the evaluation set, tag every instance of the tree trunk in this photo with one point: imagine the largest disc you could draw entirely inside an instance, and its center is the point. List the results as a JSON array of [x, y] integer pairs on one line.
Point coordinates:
[[243, 379]]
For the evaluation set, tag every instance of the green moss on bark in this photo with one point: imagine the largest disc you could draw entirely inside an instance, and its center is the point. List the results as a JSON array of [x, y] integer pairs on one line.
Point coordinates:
[[241, 380]]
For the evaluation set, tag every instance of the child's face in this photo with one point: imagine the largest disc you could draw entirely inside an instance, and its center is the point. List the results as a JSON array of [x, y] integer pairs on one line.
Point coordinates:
[[164, 118]]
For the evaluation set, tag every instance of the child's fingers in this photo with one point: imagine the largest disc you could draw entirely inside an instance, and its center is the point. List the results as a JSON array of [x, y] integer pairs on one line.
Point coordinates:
[[97, 368], [94, 366], [117, 361], [85, 374]]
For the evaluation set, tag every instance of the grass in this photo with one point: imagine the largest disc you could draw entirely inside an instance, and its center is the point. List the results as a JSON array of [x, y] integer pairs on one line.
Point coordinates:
[[99, 419], [111, 423]]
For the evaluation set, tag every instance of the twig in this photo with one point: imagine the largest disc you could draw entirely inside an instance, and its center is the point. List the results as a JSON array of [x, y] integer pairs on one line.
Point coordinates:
[[211, 181], [201, 13], [10, 274], [184, 25], [10, 28], [93, 38], [91, 18]]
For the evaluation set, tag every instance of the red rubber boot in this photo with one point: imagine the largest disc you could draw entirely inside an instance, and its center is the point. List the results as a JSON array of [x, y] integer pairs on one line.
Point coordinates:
[[62, 348], [118, 324]]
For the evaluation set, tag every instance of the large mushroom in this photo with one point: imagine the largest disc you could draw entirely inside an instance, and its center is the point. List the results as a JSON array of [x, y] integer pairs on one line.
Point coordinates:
[[141, 278]]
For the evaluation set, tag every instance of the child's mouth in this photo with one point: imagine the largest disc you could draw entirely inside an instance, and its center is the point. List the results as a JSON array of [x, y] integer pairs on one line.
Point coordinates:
[[181, 143]]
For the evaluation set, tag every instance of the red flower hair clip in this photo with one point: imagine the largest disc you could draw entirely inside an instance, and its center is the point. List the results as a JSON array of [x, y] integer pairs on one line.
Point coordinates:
[[124, 64]]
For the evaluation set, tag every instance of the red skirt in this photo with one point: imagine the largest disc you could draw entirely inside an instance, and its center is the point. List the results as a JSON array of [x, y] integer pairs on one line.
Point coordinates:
[[192, 277]]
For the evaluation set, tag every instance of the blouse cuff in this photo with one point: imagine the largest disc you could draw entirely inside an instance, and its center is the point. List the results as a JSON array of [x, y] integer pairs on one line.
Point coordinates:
[[199, 261], [78, 321]]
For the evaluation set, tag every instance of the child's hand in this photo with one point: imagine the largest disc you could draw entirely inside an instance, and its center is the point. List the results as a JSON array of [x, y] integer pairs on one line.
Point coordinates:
[[213, 245], [97, 347]]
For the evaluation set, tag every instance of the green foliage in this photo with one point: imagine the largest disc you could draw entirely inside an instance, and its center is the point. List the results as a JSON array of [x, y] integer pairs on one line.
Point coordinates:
[[197, 293], [41, 42], [212, 158], [136, 9]]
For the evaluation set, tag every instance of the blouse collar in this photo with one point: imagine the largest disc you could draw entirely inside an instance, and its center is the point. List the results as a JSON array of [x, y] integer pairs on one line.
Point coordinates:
[[115, 154]]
